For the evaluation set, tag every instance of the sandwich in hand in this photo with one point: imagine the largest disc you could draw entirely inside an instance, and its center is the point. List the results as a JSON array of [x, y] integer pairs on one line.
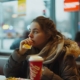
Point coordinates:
[[27, 46]]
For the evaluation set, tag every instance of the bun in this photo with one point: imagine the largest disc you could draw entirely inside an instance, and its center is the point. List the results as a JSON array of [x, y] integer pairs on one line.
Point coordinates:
[[26, 46]]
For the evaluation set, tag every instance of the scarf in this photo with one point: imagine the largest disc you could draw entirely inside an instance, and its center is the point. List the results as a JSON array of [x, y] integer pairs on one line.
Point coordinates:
[[51, 50]]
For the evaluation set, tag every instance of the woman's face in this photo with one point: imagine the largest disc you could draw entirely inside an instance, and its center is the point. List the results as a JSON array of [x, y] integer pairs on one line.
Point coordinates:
[[37, 35]]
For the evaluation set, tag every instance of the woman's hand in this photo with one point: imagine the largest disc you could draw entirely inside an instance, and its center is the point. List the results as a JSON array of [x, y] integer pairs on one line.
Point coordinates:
[[22, 50]]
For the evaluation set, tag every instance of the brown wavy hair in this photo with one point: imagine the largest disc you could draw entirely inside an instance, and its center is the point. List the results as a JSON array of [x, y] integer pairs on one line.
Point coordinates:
[[48, 26]]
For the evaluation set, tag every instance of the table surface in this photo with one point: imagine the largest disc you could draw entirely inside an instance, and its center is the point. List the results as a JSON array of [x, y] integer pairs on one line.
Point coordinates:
[[2, 77]]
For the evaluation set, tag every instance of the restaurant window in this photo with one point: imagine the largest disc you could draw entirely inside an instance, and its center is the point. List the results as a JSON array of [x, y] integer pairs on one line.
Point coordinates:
[[12, 26], [67, 20], [63, 19]]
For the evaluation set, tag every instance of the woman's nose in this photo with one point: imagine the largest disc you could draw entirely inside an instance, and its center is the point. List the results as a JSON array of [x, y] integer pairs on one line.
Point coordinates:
[[30, 35]]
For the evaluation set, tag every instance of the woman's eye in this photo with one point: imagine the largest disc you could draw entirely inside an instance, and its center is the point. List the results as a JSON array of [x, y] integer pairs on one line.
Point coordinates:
[[35, 31]]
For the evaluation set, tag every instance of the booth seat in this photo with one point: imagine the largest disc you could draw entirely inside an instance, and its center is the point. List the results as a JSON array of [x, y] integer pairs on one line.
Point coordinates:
[[3, 60], [4, 55]]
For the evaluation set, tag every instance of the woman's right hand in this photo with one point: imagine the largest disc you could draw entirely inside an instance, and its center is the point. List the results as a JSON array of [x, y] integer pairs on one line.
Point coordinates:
[[22, 50]]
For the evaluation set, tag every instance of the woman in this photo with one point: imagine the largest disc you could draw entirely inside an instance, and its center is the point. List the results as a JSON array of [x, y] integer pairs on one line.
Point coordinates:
[[59, 54]]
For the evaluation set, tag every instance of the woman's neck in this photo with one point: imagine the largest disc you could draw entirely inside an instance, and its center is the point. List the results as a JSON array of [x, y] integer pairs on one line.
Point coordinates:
[[40, 47]]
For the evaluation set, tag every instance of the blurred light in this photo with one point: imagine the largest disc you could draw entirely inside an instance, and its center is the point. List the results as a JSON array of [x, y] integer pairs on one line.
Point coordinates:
[[28, 27], [14, 15], [5, 26], [11, 27]]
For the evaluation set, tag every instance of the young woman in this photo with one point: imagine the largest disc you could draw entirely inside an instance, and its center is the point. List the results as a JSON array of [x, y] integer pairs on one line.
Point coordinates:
[[59, 54]]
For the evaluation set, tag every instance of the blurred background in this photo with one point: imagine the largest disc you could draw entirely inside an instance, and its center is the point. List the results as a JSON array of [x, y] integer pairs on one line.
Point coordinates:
[[16, 15]]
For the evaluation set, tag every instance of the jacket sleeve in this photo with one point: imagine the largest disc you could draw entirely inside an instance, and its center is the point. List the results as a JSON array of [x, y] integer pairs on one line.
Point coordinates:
[[13, 65], [68, 71]]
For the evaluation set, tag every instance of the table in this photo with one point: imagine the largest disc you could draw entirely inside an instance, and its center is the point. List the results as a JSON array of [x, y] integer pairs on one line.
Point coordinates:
[[2, 77]]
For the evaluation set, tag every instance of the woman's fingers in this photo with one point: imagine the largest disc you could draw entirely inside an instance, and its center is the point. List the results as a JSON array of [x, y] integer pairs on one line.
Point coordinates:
[[26, 41]]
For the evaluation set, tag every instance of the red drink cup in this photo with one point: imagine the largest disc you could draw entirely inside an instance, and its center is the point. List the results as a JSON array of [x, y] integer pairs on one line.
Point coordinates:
[[35, 63]]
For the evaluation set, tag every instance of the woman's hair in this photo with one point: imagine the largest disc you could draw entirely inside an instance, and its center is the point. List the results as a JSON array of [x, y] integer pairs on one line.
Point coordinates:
[[47, 25]]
